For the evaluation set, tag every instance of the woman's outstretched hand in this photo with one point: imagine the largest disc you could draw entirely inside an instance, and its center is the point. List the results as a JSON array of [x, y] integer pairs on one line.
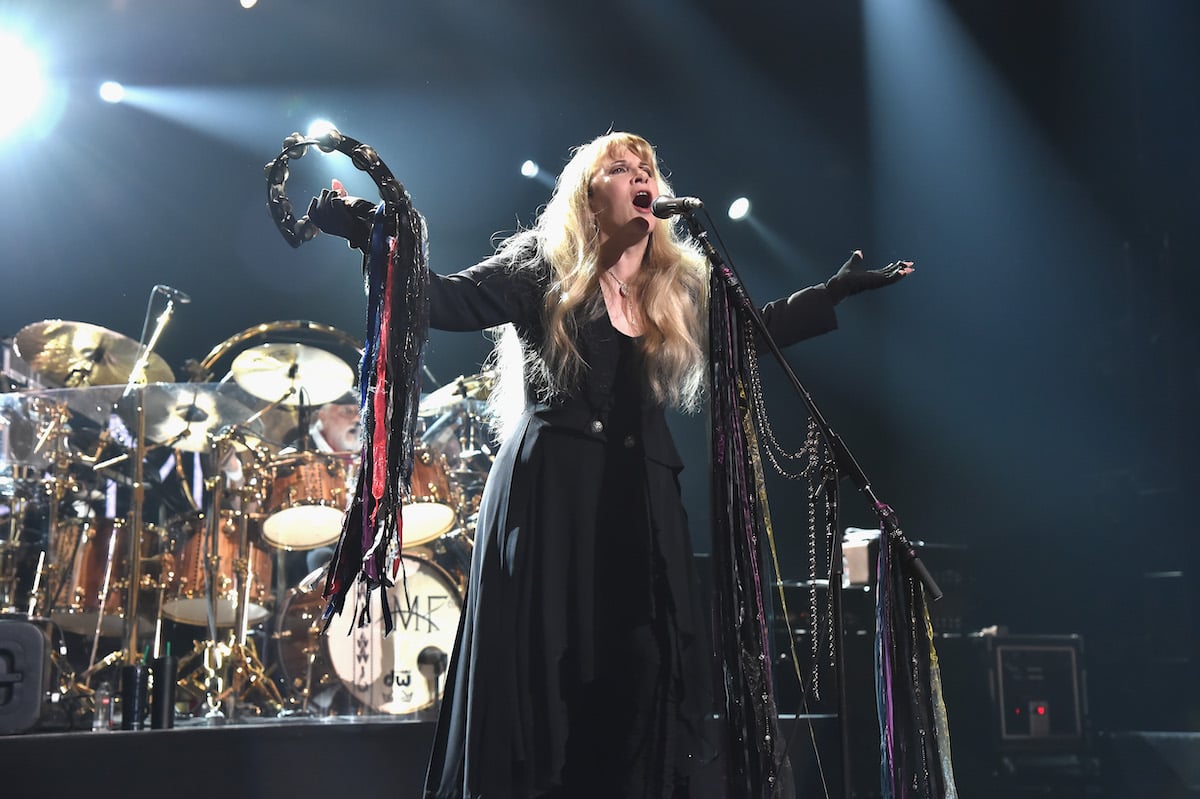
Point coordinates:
[[339, 215], [853, 278]]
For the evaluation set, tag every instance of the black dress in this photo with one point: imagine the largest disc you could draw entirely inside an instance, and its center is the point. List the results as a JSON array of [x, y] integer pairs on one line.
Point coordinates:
[[582, 665]]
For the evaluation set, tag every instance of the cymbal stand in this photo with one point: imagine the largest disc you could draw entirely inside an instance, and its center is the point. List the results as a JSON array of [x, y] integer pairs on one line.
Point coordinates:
[[268, 408]]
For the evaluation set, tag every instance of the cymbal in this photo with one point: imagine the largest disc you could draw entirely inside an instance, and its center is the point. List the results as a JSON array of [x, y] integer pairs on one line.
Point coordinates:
[[294, 372], [185, 415], [474, 387], [82, 354]]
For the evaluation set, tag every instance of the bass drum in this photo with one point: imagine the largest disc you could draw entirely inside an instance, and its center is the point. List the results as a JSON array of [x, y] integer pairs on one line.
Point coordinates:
[[401, 674]]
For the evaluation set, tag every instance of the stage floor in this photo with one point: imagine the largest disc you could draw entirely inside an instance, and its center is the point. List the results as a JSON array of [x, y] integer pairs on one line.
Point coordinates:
[[346, 756], [294, 757]]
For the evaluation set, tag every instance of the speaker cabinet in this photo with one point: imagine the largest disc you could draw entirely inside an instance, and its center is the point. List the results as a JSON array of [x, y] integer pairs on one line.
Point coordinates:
[[24, 670]]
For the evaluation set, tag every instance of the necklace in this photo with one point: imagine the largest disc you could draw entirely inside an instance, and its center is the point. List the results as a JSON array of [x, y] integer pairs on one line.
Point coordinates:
[[622, 286]]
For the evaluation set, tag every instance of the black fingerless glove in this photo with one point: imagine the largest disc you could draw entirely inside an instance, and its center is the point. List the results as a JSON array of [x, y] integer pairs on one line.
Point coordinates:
[[852, 278], [347, 217]]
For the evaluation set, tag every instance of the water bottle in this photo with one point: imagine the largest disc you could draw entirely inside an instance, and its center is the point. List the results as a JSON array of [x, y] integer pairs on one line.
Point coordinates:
[[102, 718]]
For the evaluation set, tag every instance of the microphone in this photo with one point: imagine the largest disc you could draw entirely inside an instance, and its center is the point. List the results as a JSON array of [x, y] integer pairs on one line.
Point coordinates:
[[173, 293], [666, 207], [431, 662]]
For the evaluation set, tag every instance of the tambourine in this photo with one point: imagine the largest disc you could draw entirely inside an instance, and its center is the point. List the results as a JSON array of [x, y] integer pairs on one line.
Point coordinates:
[[299, 230]]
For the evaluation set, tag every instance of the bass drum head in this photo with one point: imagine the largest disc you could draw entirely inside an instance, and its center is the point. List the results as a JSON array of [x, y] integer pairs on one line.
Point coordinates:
[[404, 672]]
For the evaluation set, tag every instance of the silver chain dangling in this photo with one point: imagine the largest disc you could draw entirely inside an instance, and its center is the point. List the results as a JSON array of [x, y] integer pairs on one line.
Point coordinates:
[[773, 449], [812, 470], [813, 633], [830, 532]]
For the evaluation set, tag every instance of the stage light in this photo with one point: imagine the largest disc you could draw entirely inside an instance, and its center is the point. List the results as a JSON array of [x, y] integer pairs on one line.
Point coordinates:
[[318, 128], [530, 169], [249, 3], [22, 87], [112, 92], [739, 208]]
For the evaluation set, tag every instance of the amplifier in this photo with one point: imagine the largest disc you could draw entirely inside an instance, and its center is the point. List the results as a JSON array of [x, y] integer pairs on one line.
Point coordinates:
[[1016, 692], [1039, 695]]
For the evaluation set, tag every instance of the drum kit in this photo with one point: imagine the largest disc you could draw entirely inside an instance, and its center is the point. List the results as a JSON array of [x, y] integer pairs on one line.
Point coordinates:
[[135, 509]]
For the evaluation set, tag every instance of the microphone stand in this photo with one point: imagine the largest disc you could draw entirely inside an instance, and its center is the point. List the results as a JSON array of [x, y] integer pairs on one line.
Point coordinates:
[[137, 382], [846, 466]]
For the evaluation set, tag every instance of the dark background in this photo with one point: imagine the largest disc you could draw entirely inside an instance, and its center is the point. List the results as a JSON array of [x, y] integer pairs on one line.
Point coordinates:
[[1029, 394]]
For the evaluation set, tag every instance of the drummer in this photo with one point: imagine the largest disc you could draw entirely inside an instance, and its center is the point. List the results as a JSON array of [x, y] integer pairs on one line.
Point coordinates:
[[336, 428]]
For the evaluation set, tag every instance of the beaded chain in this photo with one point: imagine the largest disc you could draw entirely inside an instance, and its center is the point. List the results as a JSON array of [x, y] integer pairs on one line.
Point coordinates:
[[817, 460]]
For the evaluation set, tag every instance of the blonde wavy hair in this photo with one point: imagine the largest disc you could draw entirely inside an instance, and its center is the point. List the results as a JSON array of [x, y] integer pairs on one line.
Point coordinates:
[[669, 291]]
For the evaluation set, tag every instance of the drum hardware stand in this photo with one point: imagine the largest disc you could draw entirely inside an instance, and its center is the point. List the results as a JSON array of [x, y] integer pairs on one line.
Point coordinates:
[[46, 570], [105, 585], [248, 669], [91, 671], [72, 686], [228, 672], [9, 552], [57, 428], [310, 660], [232, 668]]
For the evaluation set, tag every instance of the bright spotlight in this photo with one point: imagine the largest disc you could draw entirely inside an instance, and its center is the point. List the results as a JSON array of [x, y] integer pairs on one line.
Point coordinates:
[[530, 169], [22, 87], [249, 3], [112, 92], [318, 128], [739, 208]]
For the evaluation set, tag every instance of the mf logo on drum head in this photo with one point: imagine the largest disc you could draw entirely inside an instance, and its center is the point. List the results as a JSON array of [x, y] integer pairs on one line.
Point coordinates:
[[402, 672]]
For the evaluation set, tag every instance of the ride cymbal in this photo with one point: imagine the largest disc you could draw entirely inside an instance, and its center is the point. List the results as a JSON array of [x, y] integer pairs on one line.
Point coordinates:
[[292, 374]]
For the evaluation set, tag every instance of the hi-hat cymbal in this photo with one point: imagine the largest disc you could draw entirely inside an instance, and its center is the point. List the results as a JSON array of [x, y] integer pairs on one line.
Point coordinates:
[[297, 373], [81, 354], [185, 415], [474, 387]]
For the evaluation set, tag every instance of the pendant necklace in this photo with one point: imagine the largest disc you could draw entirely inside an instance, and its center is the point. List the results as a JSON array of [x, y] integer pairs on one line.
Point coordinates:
[[622, 286]]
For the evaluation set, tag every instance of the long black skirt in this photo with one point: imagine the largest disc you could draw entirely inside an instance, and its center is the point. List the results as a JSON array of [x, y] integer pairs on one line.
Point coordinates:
[[582, 666]]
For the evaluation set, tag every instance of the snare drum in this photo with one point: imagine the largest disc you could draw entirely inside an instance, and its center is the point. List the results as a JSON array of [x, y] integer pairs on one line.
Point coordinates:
[[185, 598], [432, 509], [306, 501], [406, 671]]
